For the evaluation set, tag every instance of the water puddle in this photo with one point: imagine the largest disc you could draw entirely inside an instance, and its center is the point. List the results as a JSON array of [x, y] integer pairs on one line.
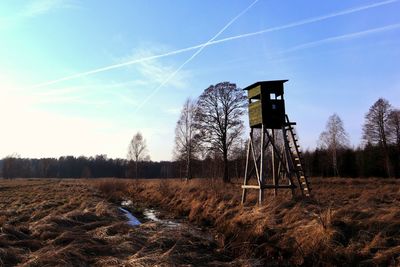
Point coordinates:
[[132, 220], [126, 203], [149, 214]]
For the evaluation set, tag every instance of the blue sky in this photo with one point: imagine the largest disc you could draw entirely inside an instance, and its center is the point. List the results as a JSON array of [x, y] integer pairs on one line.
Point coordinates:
[[339, 56]]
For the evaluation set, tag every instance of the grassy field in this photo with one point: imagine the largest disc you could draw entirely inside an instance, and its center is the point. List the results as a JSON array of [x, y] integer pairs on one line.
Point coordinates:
[[69, 223], [77, 222], [347, 222]]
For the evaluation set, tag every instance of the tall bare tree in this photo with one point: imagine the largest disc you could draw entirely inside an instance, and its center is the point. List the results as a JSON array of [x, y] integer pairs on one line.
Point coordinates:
[[187, 137], [220, 108], [137, 150], [334, 138], [376, 128], [394, 127]]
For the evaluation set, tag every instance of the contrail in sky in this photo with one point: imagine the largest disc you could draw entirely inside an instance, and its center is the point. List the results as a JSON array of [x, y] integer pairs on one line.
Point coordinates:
[[213, 42], [194, 55], [343, 37], [305, 21]]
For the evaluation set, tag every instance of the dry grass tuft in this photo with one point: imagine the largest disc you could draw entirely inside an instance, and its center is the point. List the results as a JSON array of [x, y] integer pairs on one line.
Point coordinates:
[[113, 189]]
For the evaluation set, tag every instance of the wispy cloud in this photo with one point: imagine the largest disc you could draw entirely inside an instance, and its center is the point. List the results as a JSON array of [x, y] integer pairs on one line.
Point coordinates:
[[147, 75], [155, 72], [40, 7], [218, 41], [33, 9]]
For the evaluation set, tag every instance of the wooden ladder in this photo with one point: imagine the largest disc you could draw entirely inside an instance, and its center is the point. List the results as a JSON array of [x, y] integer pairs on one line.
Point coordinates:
[[297, 159]]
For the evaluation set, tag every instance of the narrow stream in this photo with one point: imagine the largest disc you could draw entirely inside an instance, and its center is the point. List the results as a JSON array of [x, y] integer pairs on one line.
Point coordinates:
[[149, 215], [189, 243]]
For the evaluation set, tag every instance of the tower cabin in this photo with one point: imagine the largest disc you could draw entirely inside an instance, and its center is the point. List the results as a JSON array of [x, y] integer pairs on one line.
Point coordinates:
[[266, 104]]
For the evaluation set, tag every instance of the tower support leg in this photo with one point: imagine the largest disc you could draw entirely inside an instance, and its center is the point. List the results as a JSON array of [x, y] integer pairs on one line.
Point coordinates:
[[261, 182], [246, 174], [273, 164]]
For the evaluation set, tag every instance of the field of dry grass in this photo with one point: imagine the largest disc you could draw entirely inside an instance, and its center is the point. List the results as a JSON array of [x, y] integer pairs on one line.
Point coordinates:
[[69, 223], [348, 222], [77, 222]]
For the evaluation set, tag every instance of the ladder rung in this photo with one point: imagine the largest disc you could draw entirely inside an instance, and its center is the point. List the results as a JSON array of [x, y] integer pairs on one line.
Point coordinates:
[[251, 186]]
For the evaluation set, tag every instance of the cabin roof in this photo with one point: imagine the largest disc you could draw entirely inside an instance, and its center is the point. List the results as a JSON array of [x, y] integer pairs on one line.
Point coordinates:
[[265, 84]]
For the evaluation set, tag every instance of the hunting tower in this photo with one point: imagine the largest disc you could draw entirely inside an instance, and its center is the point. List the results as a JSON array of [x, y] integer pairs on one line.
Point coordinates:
[[277, 135]]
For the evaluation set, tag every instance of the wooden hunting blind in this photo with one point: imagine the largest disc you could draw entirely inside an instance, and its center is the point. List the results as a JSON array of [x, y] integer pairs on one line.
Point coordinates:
[[266, 104], [285, 165]]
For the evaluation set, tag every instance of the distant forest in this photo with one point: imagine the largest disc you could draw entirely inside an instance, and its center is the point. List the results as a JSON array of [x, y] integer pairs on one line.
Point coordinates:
[[209, 143], [360, 162]]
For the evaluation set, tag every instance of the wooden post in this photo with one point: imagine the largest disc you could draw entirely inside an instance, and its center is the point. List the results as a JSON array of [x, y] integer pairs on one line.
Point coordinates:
[[273, 163], [261, 182], [254, 159], [246, 178]]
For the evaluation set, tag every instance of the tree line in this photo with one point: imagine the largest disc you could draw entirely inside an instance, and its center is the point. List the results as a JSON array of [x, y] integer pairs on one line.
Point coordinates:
[[378, 155], [84, 167], [210, 142], [101, 166]]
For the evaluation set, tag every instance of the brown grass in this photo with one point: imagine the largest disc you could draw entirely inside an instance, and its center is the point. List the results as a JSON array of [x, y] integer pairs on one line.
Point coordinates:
[[76, 223], [348, 222], [68, 223]]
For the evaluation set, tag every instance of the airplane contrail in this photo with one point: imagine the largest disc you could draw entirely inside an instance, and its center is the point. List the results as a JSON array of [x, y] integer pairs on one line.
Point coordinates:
[[223, 40], [343, 37], [194, 55], [304, 22]]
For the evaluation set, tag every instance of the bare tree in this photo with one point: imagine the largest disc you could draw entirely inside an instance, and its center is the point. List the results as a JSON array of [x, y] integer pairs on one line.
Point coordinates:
[[334, 138], [187, 138], [220, 108], [394, 127], [376, 128], [137, 151]]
